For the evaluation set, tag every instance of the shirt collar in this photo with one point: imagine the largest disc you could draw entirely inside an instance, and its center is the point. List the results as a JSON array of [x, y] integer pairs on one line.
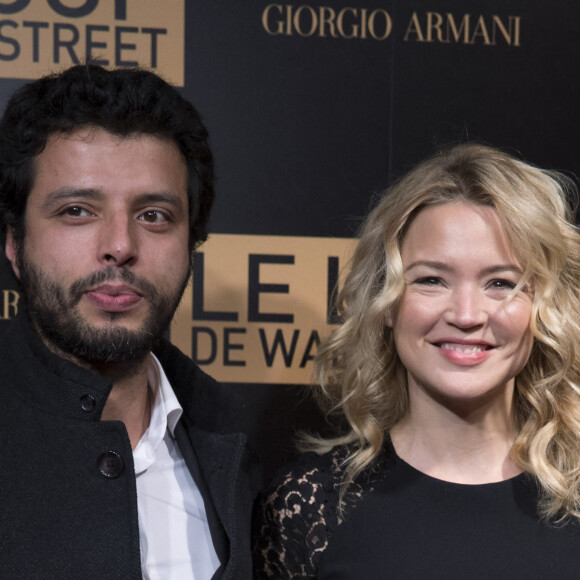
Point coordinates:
[[165, 414], [164, 397]]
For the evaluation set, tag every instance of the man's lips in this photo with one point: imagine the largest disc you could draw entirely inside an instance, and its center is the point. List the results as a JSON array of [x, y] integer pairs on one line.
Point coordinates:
[[114, 297]]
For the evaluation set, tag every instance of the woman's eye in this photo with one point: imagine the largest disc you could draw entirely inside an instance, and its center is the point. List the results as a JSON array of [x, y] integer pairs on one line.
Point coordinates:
[[429, 281], [502, 284]]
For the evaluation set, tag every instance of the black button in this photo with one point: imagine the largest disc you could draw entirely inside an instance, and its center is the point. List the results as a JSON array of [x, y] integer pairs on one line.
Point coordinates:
[[88, 403], [111, 464]]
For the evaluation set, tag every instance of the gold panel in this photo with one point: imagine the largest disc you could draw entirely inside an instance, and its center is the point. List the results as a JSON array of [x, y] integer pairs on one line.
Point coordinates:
[[38, 37], [259, 305]]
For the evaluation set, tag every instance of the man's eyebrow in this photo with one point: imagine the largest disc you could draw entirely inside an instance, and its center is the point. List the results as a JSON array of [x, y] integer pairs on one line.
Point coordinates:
[[74, 193], [70, 193], [442, 266], [161, 197]]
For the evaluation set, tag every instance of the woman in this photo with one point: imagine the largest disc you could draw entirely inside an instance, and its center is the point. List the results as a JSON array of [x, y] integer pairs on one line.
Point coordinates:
[[457, 375]]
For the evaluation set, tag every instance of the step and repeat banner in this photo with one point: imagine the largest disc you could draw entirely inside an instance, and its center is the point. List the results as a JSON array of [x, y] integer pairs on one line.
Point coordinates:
[[313, 109]]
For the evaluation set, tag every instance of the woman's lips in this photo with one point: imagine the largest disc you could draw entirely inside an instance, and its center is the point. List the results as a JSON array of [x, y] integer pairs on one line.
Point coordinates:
[[112, 298], [464, 354]]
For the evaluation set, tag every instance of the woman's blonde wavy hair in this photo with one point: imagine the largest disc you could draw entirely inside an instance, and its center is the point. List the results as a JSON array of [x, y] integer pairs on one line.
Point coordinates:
[[358, 373]]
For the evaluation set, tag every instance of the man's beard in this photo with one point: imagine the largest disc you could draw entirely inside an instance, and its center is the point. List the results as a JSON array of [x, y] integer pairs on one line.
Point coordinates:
[[54, 310]]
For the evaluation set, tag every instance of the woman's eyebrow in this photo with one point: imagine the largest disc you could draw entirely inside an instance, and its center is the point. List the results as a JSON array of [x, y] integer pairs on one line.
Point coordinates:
[[444, 267], [430, 264]]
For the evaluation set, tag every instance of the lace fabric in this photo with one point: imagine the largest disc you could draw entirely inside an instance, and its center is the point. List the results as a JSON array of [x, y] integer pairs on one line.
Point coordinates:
[[298, 514]]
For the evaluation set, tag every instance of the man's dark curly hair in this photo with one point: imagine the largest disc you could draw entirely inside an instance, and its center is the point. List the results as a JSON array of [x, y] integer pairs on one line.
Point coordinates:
[[121, 101]]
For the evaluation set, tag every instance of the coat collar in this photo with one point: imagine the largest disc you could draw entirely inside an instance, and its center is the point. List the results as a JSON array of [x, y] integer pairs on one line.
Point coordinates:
[[230, 479], [47, 381]]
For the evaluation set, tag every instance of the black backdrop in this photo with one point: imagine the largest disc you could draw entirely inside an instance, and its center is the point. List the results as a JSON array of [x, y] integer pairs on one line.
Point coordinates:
[[309, 119]]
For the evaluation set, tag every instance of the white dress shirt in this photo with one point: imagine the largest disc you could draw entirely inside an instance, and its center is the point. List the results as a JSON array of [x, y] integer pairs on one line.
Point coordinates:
[[173, 529]]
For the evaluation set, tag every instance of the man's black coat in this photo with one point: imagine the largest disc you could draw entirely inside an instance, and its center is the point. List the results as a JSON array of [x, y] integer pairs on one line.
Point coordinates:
[[67, 482]]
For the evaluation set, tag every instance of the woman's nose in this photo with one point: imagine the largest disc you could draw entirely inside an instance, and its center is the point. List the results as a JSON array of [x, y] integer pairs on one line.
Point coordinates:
[[467, 307]]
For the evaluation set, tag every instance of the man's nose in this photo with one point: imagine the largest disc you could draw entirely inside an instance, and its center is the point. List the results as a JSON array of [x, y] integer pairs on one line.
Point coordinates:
[[118, 241]]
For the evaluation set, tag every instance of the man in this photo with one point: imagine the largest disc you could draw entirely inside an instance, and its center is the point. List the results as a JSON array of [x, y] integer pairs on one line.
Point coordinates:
[[115, 453]]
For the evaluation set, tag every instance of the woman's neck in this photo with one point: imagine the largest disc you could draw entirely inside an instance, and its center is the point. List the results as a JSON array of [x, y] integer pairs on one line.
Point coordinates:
[[468, 445]]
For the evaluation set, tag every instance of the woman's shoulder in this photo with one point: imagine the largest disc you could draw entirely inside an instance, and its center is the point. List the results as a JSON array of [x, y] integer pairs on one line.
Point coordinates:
[[299, 512], [316, 478], [295, 516], [298, 490], [311, 473]]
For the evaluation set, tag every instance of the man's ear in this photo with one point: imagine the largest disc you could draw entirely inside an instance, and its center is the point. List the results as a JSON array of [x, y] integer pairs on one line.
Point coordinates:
[[12, 250]]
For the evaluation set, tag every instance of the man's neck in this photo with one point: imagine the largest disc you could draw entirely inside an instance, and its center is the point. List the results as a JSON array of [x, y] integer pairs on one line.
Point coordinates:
[[130, 398]]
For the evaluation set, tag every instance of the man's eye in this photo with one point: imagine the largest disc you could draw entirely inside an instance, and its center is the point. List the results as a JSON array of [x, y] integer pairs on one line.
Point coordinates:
[[153, 217], [76, 211]]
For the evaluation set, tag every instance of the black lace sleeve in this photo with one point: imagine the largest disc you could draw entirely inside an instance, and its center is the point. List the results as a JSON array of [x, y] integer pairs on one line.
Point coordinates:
[[297, 515]]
